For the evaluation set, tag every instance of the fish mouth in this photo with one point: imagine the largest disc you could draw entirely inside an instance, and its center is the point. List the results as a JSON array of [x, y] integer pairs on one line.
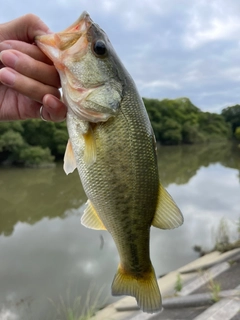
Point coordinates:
[[82, 24], [54, 44], [70, 45]]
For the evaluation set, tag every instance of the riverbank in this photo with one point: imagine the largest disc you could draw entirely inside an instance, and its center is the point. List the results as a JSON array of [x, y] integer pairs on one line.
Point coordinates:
[[189, 291]]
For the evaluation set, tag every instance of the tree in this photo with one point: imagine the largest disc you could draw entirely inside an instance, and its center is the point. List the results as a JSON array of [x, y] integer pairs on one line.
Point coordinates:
[[232, 115], [237, 133], [180, 121], [35, 156], [11, 143]]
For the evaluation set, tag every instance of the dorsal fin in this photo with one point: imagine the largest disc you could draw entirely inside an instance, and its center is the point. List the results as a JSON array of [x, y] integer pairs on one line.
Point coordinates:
[[90, 218], [168, 215]]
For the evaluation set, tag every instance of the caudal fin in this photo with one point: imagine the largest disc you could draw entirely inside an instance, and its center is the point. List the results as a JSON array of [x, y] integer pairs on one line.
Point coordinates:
[[144, 289]]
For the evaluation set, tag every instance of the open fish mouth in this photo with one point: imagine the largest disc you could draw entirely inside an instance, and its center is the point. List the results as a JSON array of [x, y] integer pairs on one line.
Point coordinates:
[[86, 98], [50, 44]]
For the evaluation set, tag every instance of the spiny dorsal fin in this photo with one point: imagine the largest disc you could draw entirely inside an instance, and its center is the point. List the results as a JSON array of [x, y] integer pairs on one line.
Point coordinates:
[[90, 218], [90, 151], [69, 164], [168, 215]]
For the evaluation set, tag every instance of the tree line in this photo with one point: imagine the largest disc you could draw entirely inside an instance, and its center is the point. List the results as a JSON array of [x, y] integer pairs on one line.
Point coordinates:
[[174, 121]]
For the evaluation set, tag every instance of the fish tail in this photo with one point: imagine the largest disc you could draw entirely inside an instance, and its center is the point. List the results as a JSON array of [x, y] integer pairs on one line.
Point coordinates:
[[145, 289]]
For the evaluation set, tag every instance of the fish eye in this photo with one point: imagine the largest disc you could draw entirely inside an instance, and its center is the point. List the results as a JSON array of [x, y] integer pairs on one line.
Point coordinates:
[[100, 48]]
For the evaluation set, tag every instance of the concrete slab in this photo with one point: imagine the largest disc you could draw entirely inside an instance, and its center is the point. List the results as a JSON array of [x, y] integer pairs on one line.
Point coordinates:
[[203, 278], [166, 285], [225, 309]]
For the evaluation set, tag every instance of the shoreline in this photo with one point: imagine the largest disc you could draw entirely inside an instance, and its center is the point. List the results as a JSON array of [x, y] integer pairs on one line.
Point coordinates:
[[193, 275]]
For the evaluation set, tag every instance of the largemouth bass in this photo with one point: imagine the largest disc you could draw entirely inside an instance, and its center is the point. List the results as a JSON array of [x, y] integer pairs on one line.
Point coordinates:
[[111, 143]]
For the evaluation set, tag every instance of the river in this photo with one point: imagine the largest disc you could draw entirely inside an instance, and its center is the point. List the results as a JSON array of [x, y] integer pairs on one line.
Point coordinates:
[[48, 259]]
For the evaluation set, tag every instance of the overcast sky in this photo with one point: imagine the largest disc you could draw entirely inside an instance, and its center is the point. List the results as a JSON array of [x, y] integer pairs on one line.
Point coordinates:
[[172, 48]]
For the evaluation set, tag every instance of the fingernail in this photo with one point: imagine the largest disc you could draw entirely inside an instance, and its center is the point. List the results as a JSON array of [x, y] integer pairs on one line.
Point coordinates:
[[7, 77], [52, 102], [9, 59]]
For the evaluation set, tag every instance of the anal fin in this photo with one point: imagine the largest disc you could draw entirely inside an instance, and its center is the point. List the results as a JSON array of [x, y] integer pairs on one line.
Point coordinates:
[[90, 218], [167, 215]]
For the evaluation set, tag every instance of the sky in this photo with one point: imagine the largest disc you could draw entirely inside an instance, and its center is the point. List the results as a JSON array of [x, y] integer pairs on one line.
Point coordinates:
[[172, 48]]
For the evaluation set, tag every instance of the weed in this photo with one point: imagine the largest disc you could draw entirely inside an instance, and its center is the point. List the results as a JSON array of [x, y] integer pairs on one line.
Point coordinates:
[[179, 284], [215, 289], [74, 309], [238, 228], [222, 235]]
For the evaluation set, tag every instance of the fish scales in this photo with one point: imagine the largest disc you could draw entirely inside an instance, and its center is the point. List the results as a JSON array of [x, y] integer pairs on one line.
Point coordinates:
[[121, 174], [111, 143]]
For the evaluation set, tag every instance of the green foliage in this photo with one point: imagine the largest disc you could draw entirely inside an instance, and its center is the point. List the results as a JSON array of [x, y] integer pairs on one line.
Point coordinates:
[[179, 284], [46, 134], [35, 155], [215, 289], [11, 143], [32, 142], [232, 116], [237, 133], [191, 133], [179, 121], [174, 122], [15, 126]]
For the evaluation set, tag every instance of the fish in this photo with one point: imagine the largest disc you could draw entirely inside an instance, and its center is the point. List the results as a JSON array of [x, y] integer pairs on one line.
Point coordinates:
[[112, 145]]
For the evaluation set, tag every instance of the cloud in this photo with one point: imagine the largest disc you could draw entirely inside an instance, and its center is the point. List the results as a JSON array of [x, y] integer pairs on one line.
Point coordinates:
[[6, 314], [220, 23], [160, 84]]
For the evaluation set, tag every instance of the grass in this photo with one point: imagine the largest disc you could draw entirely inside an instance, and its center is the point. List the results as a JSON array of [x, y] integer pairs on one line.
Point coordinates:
[[69, 308], [215, 289], [179, 283], [222, 235]]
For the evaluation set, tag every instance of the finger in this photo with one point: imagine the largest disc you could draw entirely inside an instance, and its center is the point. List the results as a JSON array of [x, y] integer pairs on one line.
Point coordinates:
[[18, 107], [30, 67], [53, 109], [29, 49], [29, 87], [25, 28]]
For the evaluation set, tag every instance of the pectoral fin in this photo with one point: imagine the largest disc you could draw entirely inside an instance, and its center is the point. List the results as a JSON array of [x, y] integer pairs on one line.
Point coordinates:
[[90, 151], [168, 215], [90, 218], [69, 160]]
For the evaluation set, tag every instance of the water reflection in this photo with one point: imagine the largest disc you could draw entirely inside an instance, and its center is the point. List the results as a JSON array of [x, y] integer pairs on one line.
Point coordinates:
[[179, 164], [28, 195], [44, 250], [44, 260]]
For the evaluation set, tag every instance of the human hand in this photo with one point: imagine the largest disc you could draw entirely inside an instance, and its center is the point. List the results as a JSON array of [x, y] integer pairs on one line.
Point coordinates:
[[28, 78]]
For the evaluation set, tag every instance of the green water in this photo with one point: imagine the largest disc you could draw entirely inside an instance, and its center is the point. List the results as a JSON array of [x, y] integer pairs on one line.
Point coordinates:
[[46, 256]]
